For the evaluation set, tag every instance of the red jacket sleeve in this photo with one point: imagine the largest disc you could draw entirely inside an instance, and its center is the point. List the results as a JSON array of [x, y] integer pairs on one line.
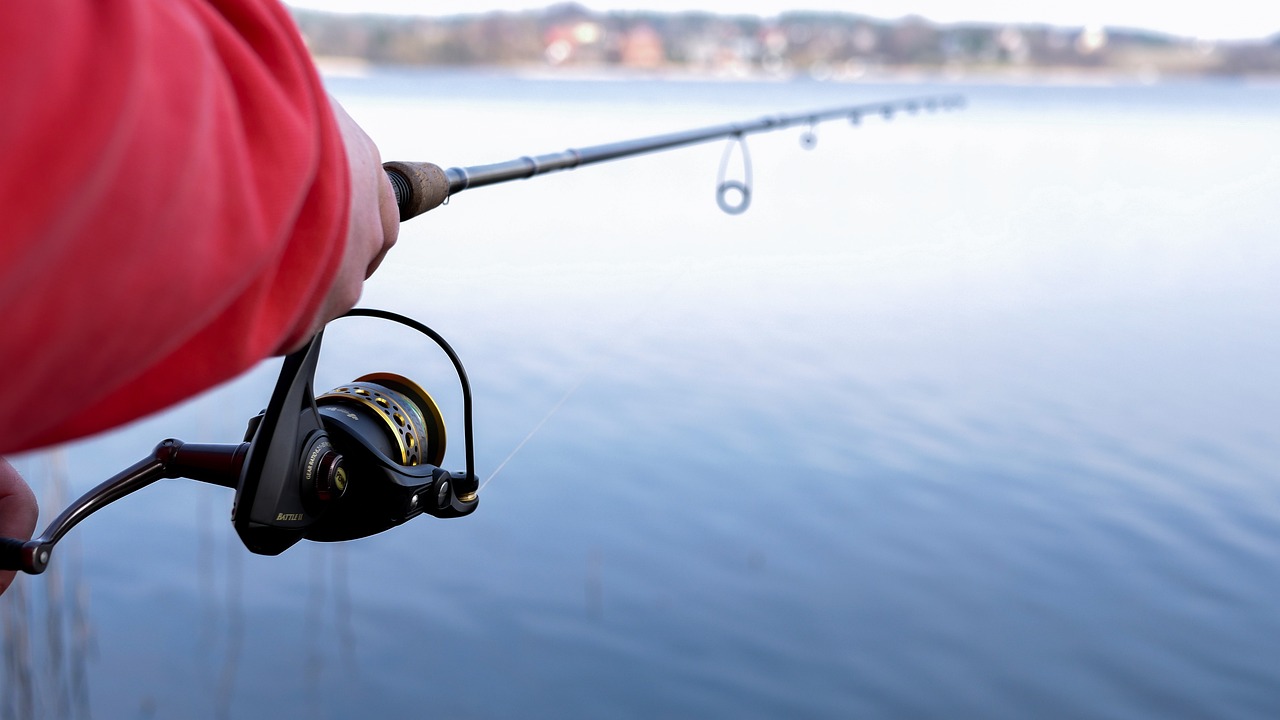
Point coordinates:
[[175, 196]]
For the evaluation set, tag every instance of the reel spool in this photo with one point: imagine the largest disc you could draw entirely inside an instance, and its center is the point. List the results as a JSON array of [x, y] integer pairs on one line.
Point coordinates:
[[395, 410]]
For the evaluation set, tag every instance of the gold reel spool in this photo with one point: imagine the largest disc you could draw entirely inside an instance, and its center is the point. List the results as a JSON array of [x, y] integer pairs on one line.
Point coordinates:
[[409, 417]]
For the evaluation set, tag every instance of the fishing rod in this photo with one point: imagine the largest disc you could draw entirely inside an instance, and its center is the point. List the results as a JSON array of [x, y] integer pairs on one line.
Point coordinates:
[[367, 456], [420, 187]]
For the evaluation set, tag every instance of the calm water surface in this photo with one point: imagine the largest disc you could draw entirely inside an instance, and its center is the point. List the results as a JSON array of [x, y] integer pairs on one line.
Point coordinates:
[[971, 415]]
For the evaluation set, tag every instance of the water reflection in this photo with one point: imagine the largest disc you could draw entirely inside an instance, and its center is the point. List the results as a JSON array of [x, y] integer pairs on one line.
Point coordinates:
[[330, 639], [233, 615], [1004, 430], [46, 675]]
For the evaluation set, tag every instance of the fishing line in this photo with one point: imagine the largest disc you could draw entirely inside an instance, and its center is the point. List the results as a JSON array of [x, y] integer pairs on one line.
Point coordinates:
[[563, 399], [628, 325], [422, 186], [725, 190]]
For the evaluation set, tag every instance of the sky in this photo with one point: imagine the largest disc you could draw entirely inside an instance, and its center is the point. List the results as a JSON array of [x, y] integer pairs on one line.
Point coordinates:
[[1223, 19]]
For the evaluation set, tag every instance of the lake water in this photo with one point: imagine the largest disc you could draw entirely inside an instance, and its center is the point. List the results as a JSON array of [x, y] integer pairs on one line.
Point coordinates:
[[970, 415]]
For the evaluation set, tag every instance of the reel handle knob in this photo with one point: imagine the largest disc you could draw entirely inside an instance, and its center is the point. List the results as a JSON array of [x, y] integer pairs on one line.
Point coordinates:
[[419, 186], [29, 556]]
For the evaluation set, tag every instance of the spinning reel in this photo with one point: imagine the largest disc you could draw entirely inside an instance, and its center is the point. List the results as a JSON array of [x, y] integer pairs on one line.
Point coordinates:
[[352, 462]]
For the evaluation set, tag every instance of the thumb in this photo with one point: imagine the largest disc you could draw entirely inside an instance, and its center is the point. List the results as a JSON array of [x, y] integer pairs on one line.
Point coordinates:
[[18, 511]]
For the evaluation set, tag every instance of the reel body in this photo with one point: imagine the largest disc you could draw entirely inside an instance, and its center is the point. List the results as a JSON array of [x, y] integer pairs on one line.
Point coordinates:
[[355, 461]]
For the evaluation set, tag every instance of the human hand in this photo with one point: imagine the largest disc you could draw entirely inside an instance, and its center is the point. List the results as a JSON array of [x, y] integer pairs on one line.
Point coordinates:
[[17, 511], [373, 225]]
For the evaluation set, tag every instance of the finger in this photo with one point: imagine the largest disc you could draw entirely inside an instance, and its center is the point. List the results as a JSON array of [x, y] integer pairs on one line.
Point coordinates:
[[390, 221], [18, 511]]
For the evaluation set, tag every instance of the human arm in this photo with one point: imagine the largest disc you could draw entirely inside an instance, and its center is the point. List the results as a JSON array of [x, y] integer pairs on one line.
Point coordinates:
[[373, 225], [181, 200], [371, 231]]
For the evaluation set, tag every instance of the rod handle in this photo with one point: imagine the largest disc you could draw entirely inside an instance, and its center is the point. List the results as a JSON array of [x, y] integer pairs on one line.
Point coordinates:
[[419, 186]]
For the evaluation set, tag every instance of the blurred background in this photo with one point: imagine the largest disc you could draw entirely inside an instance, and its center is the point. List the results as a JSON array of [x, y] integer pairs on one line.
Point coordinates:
[[970, 414]]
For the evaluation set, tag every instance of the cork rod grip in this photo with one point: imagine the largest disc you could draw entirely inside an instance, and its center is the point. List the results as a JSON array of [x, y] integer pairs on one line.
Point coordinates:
[[419, 186]]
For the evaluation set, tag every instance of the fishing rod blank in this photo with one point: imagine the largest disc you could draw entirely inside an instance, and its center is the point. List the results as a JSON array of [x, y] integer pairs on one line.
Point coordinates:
[[419, 187]]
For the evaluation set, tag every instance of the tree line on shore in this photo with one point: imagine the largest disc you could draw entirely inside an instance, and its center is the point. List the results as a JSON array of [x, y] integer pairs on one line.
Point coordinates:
[[817, 44]]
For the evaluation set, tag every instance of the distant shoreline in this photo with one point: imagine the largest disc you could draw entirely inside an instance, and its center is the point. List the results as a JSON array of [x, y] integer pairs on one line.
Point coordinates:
[[354, 68], [822, 46]]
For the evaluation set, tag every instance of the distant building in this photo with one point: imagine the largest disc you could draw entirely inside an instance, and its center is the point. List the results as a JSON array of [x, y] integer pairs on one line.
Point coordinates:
[[642, 48], [1091, 40], [573, 42]]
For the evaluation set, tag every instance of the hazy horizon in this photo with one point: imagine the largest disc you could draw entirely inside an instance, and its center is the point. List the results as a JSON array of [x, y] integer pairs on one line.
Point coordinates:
[[1225, 20]]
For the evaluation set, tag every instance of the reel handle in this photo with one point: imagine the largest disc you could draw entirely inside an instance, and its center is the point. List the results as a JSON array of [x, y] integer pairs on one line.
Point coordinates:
[[214, 464], [419, 186]]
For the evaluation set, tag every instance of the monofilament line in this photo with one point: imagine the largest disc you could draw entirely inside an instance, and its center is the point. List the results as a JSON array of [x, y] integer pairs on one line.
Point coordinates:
[[536, 428], [644, 309]]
